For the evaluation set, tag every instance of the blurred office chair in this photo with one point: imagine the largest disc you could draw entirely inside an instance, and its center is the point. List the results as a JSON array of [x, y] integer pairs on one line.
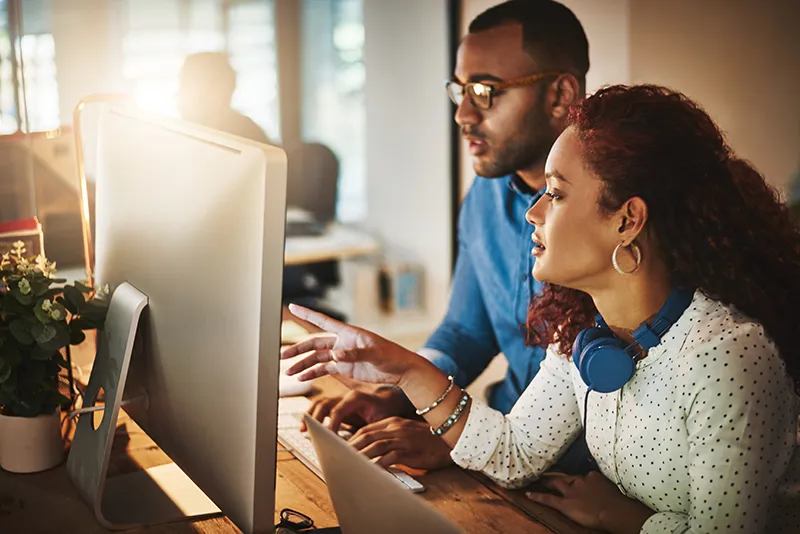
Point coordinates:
[[312, 186], [313, 180]]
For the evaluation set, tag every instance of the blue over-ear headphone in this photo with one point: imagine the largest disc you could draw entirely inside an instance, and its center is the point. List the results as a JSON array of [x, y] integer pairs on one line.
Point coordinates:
[[605, 362]]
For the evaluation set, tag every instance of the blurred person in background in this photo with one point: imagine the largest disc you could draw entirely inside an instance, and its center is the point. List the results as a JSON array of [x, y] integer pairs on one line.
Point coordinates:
[[207, 83]]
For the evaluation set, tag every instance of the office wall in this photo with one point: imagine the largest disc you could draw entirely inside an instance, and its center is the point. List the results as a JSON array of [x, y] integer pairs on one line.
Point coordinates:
[[408, 148], [740, 59]]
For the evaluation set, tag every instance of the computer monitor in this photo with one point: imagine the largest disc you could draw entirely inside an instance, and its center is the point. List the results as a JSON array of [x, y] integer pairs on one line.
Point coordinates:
[[194, 219]]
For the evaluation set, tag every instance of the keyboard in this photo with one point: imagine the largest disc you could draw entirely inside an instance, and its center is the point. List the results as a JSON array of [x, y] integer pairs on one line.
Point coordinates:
[[290, 415]]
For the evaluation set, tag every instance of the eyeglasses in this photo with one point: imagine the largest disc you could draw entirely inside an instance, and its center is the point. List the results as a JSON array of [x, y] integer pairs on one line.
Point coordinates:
[[480, 93], [294, 521]]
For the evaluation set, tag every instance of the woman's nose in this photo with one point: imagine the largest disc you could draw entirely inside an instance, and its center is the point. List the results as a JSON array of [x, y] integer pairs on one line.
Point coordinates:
[[534, 214]]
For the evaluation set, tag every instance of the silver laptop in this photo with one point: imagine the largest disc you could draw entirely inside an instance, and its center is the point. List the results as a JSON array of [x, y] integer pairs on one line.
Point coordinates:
[[366, 498]]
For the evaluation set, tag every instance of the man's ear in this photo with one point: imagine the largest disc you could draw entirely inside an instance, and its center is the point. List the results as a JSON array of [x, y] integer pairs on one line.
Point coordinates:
[[631, 218], [566, 92]]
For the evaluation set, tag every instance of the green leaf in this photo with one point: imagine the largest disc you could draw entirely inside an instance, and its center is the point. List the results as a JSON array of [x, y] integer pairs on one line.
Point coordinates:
[[36, 330], [83, 288], [13, 307], [94, 313], [10, 383], [40, 314], [41, 354], [26, 300], [32, 374], [10, 355], [43, 333], [53, 293], [61, 339], [60, 399], [74, 297], [5, 372], [40, 287], [21, 330], [76, 336], [80, 323], [73, 309], [59, 312]]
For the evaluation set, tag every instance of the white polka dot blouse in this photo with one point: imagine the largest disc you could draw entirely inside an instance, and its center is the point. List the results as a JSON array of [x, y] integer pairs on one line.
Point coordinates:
[[704, 433]]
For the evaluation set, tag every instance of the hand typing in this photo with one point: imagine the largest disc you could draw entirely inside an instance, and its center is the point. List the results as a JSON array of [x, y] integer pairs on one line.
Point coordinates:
[[397, 440]]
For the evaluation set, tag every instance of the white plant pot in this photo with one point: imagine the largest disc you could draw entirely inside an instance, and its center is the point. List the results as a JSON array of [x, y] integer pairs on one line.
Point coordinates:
[[30, 444]]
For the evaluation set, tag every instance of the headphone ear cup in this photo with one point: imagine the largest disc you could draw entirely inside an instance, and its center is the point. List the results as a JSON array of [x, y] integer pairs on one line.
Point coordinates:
[[605, 365], [584, 338], [601, 359]]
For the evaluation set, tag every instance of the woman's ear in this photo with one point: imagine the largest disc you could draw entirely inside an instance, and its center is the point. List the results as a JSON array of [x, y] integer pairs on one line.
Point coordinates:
[[632, 217]]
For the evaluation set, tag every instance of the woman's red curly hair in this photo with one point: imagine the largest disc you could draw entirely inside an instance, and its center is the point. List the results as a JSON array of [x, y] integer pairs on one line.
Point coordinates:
[[718, 226]]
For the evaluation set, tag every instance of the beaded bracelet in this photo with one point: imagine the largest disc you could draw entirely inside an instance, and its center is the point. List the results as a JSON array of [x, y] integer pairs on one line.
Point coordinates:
[[438, 401], [451, 420]]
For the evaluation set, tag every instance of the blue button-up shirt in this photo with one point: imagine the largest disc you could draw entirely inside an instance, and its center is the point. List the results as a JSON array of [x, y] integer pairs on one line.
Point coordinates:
[[491, 292]]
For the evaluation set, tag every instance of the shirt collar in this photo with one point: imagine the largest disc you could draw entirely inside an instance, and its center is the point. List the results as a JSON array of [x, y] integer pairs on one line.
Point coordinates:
[[516, 184]]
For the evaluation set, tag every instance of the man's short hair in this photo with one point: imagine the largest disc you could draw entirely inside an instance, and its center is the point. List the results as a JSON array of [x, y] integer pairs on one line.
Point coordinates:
[[551, 34]]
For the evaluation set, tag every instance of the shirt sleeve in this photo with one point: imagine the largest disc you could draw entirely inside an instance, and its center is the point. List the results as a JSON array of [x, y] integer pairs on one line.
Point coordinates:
[[464, 343], [514, 449], [741, 424]]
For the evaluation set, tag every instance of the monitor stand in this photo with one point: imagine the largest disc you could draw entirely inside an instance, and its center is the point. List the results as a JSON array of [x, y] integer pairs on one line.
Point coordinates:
[[153, 496]]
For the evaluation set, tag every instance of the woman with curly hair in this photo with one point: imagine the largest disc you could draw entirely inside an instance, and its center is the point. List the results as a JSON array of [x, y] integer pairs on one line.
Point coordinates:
[[673, 280]]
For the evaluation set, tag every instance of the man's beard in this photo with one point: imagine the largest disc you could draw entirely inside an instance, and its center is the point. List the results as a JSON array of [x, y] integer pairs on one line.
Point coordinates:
[[522, 150]]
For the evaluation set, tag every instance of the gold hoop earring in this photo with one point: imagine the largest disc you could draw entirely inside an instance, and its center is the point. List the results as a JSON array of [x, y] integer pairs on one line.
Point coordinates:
[[637, 252]]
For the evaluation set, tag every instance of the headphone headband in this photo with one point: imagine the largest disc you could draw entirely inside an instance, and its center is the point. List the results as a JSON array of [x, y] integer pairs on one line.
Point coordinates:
[[649, 335], [605, 363]]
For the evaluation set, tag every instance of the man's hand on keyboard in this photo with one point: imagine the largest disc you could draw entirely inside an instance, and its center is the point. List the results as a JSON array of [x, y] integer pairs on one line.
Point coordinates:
[[402, 441], [358, 408]]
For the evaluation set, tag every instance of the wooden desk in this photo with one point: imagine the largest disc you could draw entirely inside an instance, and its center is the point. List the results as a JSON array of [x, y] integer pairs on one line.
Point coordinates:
[[47, 503]]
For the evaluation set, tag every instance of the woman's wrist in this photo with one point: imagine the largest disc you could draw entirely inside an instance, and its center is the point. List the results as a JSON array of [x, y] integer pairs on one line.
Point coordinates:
[[418, 371]]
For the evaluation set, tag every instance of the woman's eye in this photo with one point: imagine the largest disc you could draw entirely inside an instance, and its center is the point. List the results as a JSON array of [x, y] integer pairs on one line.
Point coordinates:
[[553, 196]]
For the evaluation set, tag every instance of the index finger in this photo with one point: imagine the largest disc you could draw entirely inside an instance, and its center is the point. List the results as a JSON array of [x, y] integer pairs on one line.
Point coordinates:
[[324, 342], [553, 501], [346, 407], [318, 319], [369, 427]]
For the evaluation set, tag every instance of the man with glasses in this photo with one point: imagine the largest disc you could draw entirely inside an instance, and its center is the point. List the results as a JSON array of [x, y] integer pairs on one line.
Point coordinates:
[[521, 66]]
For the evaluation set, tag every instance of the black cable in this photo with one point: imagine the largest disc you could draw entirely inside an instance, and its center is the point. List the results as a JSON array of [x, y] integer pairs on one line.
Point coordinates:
[[591, 463], [585, 410]]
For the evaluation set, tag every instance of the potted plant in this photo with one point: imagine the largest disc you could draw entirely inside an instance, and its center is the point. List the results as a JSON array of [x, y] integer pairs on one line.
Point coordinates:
[[38, 322]]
